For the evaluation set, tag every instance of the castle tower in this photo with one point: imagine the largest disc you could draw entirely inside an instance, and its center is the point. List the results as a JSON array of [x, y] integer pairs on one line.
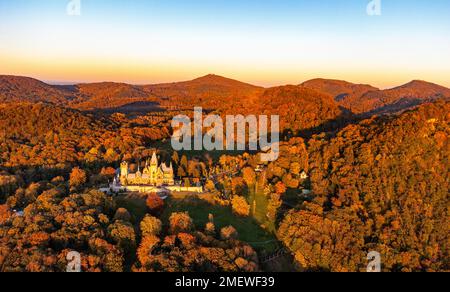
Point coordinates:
[[139, 173], [124, 169]]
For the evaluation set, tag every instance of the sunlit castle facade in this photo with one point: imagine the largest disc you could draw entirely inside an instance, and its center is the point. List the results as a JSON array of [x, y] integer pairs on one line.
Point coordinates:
[[153, 174]]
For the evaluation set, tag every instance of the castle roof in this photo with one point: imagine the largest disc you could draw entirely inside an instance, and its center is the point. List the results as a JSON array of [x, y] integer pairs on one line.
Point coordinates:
[[166, 169]]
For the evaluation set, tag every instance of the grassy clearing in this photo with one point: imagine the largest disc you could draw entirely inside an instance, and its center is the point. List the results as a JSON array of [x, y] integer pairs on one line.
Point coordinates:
[[135, 204], [248, 228], [250, 231]]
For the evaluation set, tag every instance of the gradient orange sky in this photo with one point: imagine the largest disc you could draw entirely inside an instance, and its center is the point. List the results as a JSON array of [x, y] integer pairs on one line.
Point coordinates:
[[265, 43]]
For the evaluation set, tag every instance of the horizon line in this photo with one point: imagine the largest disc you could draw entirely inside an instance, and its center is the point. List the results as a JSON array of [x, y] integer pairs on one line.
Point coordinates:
[[72, 83]]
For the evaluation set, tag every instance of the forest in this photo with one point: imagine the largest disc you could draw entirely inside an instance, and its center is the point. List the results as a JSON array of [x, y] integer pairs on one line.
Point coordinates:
[[347, 182]]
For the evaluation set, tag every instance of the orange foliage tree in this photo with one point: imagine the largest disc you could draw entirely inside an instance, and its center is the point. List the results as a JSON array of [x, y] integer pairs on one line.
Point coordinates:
[[155, 204], [240, 206], [77, 177], [150, 226], [180, 222]]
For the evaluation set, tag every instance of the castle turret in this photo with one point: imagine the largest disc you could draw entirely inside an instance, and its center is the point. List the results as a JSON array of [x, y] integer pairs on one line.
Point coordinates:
[[154, 161], [139, 173], [124, 169]]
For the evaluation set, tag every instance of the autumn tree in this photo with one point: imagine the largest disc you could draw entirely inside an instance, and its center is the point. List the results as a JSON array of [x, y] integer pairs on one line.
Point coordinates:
[[240, 206], [77, 178], [237, 185], [123, 234], [122, 214], [210, 186], [322, 244], [5, 213], [180, 222], [154, 203], [8, 184], [280, 188], [144, 252], [175, 158], [150, 226], [111, 155], [274, 205], [249, 176], [229, 232], [210, 227], [108, 172]]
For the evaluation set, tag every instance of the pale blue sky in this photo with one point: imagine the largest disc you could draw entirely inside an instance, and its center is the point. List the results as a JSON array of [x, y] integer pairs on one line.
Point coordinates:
[[266, 42]]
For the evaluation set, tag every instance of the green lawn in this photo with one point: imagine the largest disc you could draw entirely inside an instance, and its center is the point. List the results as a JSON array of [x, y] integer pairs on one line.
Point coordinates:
[[134, 204], [215, 155], [249, 230], [258, 203]]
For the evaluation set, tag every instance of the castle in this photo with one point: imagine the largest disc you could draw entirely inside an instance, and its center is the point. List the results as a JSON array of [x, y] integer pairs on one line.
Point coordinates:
[[152, 175]]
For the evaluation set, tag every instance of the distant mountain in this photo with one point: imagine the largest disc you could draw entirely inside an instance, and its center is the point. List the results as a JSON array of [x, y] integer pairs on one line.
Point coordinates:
[[25, 89], [81, 96], [210, 91], [366, 99], [300, 108], [205, 83], [339, 90], [108, 95], [214, 92], [400, 98]]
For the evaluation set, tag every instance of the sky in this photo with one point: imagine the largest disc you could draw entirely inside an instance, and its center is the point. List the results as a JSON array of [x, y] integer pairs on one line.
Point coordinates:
[[264, 42]]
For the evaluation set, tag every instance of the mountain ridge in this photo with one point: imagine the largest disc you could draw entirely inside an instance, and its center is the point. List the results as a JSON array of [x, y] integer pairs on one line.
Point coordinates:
[[214, 92]]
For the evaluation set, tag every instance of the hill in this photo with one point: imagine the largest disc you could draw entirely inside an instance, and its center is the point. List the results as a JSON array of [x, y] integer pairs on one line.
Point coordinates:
[[214, 92], [107, 95], [403, 97], [299, 108], [368, 100], [340, 90], [210, 91], [381, 185], [81, 96], [46, 135], [25, 89]]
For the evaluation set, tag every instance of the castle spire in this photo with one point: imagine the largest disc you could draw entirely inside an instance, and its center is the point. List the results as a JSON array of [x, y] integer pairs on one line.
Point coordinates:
[[154, 159]]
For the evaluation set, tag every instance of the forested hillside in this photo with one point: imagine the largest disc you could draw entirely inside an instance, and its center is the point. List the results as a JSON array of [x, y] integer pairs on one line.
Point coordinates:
[[367, 100], [48, 135], [299, 108], [24, 89], [382, 185]]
